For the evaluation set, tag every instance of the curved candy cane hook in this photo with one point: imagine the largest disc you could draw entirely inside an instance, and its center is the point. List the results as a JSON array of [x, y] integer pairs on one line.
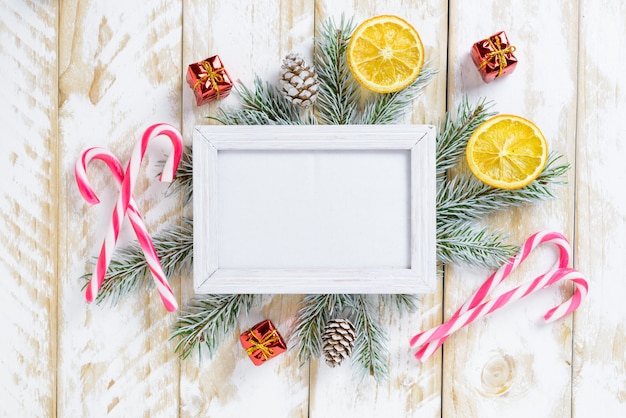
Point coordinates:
[[476, 307], [124, 198], [136, 220]]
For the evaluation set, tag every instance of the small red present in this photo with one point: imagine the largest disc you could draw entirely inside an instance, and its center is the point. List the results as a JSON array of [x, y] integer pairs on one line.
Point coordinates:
[[494, 57], [262, 342], [209, 80]]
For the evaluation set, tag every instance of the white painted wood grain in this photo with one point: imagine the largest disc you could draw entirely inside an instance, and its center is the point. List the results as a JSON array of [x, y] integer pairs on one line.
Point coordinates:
[[28, 215], [413, 389], [510, 363], [251, 37], [599, 381], [119, 73], [120, 69]]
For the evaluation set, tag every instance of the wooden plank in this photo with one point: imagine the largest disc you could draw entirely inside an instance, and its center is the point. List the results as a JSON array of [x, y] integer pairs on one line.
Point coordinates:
[[510, 363], [28, 197], [599, 381], [119, 72], [413, 389], [251, 37]]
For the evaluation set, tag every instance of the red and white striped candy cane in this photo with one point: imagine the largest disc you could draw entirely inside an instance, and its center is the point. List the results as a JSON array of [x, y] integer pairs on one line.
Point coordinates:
[[432, 339], [123, 201], [539, 238], [136, 220]]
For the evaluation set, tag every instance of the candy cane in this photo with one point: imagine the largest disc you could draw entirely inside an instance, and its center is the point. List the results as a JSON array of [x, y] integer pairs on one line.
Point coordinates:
[[474, 308], [496, 278], [123, 201], [136, 220]]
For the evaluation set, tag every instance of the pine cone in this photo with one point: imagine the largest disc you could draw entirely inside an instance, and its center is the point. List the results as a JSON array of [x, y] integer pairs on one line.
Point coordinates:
[[338, 339], [298, 81]]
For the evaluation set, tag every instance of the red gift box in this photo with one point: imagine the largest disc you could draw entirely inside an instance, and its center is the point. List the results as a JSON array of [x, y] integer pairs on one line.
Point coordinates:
[[262, 342], [494, 57], [209, 80]]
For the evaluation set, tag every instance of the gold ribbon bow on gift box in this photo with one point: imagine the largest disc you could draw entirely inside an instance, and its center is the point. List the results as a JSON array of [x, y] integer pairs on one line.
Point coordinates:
[[262, 344], [499, 53], [211, 74]]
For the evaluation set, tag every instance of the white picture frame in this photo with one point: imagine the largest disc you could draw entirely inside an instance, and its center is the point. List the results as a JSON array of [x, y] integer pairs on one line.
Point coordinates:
[[228, 161]]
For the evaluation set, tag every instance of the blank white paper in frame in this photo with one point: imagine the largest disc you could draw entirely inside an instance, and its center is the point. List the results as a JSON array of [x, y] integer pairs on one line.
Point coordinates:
[[314, 209]]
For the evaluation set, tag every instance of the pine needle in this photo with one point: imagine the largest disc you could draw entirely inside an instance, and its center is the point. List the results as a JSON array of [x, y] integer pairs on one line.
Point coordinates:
[[311, 319], [402, 302], [456, 130], [183, 182], [338, 95], [128, 269], [264, 105], [463, 243], [386, 109], [465, 198], [370, 348], [207, 322]]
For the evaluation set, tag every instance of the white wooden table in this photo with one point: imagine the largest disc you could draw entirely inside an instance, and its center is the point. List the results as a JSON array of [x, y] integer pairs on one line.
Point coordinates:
[[74, 74]]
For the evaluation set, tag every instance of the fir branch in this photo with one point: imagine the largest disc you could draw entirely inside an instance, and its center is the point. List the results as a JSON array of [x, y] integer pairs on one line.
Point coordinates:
[[465, 198], [311, 319], [402, 302], [129, 270], [338, 95], [455, 131], [264, 105], [370, 348], [207, 322], [183, 182], [463, 243], [386, 109]]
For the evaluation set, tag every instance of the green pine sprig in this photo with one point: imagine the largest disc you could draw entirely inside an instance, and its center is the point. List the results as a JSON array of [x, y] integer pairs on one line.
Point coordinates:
[[263, 105], [339, 94], [455, 131], [128, 269], [465, 243], [465, 198], [389, 108], [314, 313], [207, 321], [370, 348], [183, 182]]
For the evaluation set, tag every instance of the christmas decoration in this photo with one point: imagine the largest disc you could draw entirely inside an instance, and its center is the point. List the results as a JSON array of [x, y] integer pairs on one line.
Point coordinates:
[[338, 341], [494, 57], [298, 81], [262, 342], [385, 63], [462, 201], [125, 202], [507, 151], [476, 307], [209, 80]]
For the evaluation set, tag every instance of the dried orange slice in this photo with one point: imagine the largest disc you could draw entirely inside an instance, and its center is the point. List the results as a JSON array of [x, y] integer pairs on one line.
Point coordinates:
[[507, 151], [385, 54]]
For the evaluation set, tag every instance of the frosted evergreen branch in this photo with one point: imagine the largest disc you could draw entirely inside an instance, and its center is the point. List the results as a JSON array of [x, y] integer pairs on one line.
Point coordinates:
[[183, 182], [339, 94], [207, 322], [465, 198], [311, 319], [264, 105], [128, 269], [456, 130], [463, 243], [402, 302], [370, 348], [386, 109]]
